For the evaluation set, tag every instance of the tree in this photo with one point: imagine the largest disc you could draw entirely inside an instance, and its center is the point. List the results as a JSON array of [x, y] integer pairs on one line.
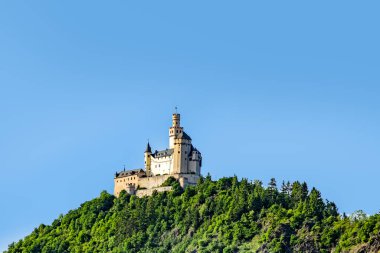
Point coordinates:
[[299, 192], [272, 185], [315, 205]]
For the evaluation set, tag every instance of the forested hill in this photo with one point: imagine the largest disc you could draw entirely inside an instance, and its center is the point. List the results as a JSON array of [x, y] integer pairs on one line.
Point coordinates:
[[226, 215]]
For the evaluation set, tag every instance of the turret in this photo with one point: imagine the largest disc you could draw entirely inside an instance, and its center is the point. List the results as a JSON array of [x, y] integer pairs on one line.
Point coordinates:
[[176, 118], [175, 129], [148, 148], [196, 162], [147, 159]]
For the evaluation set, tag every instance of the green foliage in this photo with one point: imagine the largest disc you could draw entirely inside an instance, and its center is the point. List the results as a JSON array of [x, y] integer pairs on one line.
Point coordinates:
[[226, 215]]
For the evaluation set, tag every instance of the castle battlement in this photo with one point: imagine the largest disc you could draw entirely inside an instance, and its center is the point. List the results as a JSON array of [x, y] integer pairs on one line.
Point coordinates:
[[181, 161]]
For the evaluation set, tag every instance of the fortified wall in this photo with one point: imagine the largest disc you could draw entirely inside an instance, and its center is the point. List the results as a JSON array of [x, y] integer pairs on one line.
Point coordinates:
[[148, 192]]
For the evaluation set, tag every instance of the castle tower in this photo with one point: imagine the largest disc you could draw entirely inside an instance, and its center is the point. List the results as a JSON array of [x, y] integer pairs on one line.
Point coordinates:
[[147, 160], [181, 143], [175, 129], [180, 164]]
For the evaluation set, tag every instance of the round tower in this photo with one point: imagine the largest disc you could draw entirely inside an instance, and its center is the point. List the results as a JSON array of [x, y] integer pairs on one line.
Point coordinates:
[[176, 118], [175, 129], [147, 160]]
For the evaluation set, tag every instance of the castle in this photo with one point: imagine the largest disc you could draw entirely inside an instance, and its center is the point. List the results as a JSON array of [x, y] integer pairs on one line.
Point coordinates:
[[181, 161]]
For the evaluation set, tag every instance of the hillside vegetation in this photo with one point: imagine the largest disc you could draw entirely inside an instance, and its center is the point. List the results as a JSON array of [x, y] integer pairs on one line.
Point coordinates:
[[226, 215]]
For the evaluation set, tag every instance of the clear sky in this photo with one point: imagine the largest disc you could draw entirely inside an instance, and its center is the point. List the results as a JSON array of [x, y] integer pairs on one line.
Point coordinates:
[[284, 89]]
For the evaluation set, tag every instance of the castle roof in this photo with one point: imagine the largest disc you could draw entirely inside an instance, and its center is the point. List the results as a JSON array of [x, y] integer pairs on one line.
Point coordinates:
[[126, 173], [192, 148], [163, 153], [148, 148], [184, 135]]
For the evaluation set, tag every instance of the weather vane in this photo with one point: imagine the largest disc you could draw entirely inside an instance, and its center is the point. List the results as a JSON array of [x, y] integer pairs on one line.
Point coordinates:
[[176, 109]]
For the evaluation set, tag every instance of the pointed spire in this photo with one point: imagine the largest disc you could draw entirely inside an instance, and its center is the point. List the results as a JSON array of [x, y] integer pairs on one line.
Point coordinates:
[[148, 148]]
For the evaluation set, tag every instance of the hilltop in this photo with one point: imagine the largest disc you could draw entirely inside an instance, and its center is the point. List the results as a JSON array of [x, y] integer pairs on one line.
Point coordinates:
[[226, 215]]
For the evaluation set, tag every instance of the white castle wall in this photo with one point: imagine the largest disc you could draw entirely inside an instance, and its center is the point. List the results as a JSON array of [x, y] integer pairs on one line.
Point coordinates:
[[162, 165]]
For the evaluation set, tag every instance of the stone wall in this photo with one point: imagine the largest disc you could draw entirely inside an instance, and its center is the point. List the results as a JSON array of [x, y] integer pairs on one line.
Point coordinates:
[[122, 183], [151, 183], [149, 192], [157, 181]]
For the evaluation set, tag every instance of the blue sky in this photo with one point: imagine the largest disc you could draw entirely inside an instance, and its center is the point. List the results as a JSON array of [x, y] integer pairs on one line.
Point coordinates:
[[286, 89]]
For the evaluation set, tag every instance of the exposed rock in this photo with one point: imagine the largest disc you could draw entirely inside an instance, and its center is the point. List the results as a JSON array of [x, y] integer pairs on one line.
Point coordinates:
[[373, 246], [307, 245], [263, 248], [307, 241]]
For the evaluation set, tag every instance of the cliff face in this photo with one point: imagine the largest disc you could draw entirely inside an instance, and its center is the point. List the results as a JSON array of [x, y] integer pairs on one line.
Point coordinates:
[[215, 216]]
